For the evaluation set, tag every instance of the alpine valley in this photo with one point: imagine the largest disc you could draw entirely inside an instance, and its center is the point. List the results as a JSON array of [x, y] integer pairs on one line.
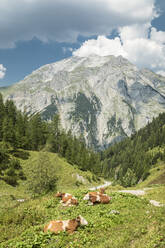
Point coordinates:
[[103, 98]]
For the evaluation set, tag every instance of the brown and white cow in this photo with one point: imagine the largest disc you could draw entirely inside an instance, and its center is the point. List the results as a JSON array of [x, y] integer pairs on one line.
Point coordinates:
[[67, 199], [97, 197], [70, 226]]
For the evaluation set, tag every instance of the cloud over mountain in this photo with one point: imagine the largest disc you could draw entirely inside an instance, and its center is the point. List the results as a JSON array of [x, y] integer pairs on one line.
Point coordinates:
[[2, 71], [63, 20], [143, 45]]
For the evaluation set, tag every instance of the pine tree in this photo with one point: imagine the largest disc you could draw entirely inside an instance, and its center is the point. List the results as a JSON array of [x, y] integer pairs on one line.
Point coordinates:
[[10, 111], [36, 133], [8, 131], [2, 114]]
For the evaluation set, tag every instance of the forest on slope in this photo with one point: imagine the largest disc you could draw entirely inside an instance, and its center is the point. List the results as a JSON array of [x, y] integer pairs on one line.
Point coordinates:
[[130, 160], [126, 162]]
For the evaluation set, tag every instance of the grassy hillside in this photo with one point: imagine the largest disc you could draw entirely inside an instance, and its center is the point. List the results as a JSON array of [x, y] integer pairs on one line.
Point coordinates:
[[156, 176], [137, 224], [68, 177]]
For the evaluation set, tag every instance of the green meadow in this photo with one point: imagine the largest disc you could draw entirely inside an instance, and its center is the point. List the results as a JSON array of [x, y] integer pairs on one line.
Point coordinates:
[[135, 223]]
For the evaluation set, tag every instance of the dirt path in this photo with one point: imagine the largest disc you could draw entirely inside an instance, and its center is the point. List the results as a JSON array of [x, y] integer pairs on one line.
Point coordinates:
[[106, 184], [133, 192], [138, 192], [156, 203]]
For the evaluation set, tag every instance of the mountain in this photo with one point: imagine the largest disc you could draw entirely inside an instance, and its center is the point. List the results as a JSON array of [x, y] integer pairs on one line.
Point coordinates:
[[102, 98]]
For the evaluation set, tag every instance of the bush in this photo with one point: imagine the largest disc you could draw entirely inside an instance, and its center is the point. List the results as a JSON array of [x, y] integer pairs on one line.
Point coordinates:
[[12, 180], [21, 154], [129, 179], [42, 178]]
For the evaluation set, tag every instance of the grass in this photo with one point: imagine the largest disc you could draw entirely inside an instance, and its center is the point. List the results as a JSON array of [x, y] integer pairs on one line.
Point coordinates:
[[67, 174], [156, 193], [138, 224], [137, 220], [157, 175]]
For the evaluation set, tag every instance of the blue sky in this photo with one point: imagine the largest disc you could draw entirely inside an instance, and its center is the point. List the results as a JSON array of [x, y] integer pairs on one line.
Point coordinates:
[[37, 32]]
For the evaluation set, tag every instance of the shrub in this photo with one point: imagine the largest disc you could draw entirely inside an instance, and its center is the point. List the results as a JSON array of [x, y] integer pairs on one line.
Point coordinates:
[[129, 179], [42, 177]]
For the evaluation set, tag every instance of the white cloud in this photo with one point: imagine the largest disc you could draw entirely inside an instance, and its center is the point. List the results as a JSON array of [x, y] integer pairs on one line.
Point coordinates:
[[162, 73], [157, 36], [63, 20], [2, 71], [102, 47], [135, 43], [145, 53], [136, 9], [134, 31]]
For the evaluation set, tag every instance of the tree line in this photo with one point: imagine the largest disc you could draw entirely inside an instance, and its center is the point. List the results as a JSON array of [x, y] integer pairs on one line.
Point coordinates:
[[130, 160], [20, 131]]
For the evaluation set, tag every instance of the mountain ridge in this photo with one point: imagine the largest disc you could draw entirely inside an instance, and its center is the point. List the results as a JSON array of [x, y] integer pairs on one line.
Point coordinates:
[[103, 98]]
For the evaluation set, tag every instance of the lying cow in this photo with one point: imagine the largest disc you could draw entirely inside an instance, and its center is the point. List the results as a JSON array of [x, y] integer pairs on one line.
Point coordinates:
[[70, 226], [67, 199], [97, 197]]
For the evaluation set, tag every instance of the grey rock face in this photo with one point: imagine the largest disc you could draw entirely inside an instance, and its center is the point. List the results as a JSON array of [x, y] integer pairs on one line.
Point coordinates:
[[102, 98]]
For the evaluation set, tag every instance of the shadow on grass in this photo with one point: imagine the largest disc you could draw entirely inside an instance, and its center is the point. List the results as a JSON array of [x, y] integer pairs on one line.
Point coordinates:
[[20, 154]]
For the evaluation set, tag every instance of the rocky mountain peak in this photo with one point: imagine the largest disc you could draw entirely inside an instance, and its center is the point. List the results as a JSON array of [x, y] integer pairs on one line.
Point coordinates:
[[103, 98]]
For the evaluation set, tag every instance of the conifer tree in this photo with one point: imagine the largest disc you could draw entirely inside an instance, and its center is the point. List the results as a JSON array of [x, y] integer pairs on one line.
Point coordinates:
[[2, 113], [42, 176], [8, 131]]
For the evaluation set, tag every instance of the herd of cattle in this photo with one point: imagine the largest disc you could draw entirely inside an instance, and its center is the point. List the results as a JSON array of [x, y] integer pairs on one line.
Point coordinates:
[[70, 226]]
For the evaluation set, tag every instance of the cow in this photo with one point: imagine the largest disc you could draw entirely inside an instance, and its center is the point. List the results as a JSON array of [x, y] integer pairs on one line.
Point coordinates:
[[97, 197], [67, 199], [70, 226]]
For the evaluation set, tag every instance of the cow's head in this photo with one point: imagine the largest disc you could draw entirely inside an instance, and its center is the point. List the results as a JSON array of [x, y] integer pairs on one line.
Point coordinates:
[[59, 194], [81, 220], [86, 197], [102, 190]]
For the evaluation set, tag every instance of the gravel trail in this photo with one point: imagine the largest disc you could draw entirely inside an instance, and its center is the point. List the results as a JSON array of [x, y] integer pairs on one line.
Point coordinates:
[[138, 192], [106, 184]]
